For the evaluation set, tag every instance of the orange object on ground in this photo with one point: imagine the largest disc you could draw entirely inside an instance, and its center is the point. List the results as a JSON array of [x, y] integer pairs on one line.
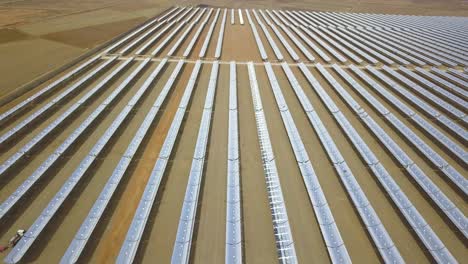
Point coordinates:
[[3, 248]]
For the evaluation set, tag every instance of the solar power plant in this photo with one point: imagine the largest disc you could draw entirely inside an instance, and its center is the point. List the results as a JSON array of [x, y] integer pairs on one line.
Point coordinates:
[[211, 135]]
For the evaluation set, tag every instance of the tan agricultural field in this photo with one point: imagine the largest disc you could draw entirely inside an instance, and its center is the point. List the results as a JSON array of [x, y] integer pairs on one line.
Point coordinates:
[[358, 130]]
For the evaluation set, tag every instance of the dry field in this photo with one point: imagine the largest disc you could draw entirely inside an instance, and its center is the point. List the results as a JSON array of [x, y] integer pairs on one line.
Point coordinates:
[[357, 132]]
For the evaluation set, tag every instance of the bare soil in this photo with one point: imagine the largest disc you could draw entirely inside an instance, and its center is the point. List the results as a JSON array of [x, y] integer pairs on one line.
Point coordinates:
[[91, 36]]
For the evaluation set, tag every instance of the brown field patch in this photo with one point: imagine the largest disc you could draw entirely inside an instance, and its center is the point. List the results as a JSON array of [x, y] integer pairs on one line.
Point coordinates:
[[16, 16], [21, 61], [88, 37], [9, 34]]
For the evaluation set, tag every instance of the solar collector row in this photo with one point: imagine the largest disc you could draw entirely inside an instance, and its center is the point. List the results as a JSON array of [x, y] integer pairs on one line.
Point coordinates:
[[417, 47], [399, 21], [342, 49], [451, 87], [331, 50], [369, 217], [392, 47], [161, 21], [25, 149], [448, 107], [434, 51], [309, 43], [173, 16], [331, 235], [49, 88], [447, 207], [219, 45], [440, 36], [293, 18], [380, 48], [431, 241], [289, 21], [301, 47], [208, 35], [135, 32], [144, 36], [190, 46], [376, 21], [185, 13], [439, 43], [270, 40], [154, 38], [168, 38], [168, 13], [233, 17], [335, 54], [409, 47], [351, 44], [75, 87], [135, 232], [439, 90], [90, 222], [405, 47], [364, 47], [176, 45], [233, 251], [184, 35], [184, 237], [439, 48], [241, 18], [429, 110], [285, 43], [48, 213], [284, 241], [313, 20], [458, 74], [281, 18], [418, 37], [172, 33], [259, 42], [448, 144], [455, 81]]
